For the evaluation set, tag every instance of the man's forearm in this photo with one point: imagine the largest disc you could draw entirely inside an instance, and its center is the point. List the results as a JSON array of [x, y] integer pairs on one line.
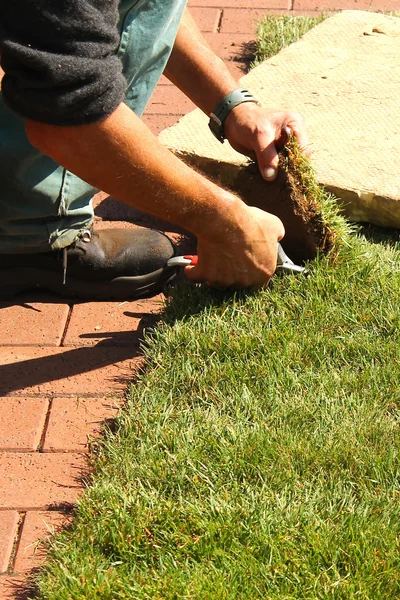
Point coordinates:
[[122, 157], [196, 70]]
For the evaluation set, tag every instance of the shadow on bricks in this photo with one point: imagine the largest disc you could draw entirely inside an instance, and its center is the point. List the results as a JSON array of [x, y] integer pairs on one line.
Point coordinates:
[[30, 370], [110, 209], [21, 589]]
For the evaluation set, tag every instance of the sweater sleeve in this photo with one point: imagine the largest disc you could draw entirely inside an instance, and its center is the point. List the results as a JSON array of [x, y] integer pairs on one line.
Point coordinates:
[[60, 59]]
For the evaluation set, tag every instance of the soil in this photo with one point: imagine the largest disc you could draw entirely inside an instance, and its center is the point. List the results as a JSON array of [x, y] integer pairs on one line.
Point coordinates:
[[307, 234], [290, 197]]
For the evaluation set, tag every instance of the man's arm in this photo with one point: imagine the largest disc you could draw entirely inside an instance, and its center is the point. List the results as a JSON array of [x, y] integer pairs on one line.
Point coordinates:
[[204, 78], [48, 81], [236, 243]]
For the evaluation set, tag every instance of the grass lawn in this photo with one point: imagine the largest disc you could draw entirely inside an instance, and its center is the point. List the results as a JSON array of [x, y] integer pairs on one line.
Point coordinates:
[[258, 456], [275, 33]]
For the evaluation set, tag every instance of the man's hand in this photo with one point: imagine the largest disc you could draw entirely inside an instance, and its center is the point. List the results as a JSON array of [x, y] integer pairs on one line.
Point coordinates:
[[236, 243], [259, 133], [241, 253], [205, 79]]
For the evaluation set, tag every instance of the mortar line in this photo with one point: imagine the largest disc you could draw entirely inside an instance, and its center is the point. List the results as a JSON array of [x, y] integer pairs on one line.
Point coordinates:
[[17, 541], [219, 24], [67, 395], [61, 508], [67, 322], [45, 427]]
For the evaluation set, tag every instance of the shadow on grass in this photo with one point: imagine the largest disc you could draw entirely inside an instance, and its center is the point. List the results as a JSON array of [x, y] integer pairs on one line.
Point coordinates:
[[188, 300], [380, 235]]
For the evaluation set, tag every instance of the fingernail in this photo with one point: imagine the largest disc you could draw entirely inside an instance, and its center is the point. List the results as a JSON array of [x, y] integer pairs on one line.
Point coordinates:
[[269, 173]]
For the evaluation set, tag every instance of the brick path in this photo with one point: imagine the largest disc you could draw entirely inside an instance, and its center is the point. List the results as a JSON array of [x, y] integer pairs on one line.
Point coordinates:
[[64, 367]]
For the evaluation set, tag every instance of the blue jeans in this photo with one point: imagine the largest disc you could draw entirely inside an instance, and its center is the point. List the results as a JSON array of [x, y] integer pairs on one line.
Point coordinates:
[[44, 206]]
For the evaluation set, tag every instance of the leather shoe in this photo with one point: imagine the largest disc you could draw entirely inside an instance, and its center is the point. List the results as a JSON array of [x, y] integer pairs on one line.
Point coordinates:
[[108, 264]]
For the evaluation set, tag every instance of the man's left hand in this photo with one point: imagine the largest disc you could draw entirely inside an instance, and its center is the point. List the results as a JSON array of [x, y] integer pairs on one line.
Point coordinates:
[[260, 133]]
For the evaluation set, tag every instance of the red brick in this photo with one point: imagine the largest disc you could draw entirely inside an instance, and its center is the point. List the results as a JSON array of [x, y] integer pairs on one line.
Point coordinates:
[[116, 323], [32, 324], [38, 528], [164, 81], [244, 20], [207, 19], [94, 371], [386, 5], [35, 481], [229, 45], [304, 12], [223, 4], [321, 5], [74, 421], [22, 421], [237, 68], [309, 13], [110, 209], [157, 123], [332, 5], [236, 49], [13, 588], [8, 529], [169, 100], [100, 224], [110, 212]]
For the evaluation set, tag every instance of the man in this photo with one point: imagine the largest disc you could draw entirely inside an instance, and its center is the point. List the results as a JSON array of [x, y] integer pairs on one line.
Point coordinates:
[[78, 76]]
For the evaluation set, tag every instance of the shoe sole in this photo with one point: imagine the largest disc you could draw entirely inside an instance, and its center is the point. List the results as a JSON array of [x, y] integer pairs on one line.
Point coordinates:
[[22, 279]]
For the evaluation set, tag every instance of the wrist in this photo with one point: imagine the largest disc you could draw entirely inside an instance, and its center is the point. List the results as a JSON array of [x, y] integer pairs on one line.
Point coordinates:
[[225, 107], [227, 210]]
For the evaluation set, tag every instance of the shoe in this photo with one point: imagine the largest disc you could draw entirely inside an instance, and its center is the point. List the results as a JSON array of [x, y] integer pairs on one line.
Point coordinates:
[[110, 264]]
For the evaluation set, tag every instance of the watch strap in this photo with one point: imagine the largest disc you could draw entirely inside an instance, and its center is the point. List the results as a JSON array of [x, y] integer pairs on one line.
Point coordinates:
[[223, 108]]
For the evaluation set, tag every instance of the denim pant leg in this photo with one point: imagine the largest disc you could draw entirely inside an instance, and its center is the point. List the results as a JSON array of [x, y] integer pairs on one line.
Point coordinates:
[[148, 29], [44, 206]]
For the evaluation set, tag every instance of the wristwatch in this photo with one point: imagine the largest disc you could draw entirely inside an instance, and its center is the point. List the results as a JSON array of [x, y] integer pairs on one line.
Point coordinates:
[[223, 108]]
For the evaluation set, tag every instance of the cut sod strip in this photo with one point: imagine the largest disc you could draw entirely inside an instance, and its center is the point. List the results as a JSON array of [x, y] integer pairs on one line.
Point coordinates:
[[258, 454]]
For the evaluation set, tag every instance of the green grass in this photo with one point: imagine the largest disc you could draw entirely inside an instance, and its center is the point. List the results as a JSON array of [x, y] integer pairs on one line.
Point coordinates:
[[258, 455], [274, 34]]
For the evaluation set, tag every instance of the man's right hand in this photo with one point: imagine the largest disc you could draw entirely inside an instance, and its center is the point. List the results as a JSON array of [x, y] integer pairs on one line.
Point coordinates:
[[241, 253], [119, 155]]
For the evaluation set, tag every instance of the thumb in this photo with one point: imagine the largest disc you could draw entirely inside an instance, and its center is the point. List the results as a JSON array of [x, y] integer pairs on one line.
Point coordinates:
[[267, 159], [191, 272]]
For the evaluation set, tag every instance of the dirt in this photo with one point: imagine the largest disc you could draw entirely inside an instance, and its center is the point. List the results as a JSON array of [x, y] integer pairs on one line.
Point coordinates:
[[293, 197]]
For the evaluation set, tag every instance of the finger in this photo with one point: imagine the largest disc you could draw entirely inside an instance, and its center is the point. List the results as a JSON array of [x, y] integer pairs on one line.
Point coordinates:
[[193, 273], [281, 232], [295, 122], [267, 159], [286, 133]]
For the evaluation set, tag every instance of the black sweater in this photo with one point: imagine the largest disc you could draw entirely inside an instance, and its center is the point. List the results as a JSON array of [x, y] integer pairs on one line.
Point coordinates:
[[59, 58]]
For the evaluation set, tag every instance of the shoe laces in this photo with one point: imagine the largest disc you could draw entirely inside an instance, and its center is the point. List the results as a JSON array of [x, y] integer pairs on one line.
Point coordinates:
[[85, 237]]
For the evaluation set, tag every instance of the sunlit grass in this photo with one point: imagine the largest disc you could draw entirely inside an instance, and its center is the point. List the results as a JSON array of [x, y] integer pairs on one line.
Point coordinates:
[[276, 33]]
